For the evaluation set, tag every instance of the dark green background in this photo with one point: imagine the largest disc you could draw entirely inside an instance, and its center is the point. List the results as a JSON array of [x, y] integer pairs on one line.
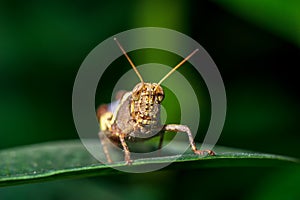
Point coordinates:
[[255, 45]]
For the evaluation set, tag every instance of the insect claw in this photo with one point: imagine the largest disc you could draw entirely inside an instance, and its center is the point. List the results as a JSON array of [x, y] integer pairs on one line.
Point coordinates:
[[202, 152], [129, 162], [211, 153]]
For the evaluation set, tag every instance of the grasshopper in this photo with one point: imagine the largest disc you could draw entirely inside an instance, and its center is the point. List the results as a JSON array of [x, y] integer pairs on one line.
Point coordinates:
[[136, 115]]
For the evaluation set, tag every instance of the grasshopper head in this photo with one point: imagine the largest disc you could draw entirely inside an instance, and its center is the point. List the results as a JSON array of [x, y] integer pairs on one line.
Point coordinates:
[[146, 99], [148, 92]]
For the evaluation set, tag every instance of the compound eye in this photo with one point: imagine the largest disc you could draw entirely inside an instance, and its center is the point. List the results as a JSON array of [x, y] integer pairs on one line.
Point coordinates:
[[136, 92], [160, 97]]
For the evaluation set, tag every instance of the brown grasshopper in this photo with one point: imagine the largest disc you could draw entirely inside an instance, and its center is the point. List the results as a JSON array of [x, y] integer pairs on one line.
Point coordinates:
[[137, 116]]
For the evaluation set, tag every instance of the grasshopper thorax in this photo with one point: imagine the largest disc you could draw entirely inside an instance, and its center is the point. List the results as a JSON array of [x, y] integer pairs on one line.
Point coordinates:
[[145, 103]]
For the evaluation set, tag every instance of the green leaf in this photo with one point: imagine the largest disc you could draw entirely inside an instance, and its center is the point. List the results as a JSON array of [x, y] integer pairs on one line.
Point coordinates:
[[56, 160]]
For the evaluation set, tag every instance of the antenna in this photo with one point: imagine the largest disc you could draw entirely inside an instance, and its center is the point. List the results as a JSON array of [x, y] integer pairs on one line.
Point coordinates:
[[176, 67], [129, 60]]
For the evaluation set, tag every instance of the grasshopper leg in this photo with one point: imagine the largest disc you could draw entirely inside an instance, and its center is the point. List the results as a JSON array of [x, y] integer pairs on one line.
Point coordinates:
[[161, 139], [103, 141], [126, 150], [185, 129]]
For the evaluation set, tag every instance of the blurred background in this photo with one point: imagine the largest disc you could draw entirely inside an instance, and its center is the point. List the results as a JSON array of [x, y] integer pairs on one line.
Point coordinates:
[[255, 45]]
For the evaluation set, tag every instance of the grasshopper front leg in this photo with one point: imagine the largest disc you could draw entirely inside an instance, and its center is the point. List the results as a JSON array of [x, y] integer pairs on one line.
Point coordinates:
[[125, 148], [185, 129], [103, 140]]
